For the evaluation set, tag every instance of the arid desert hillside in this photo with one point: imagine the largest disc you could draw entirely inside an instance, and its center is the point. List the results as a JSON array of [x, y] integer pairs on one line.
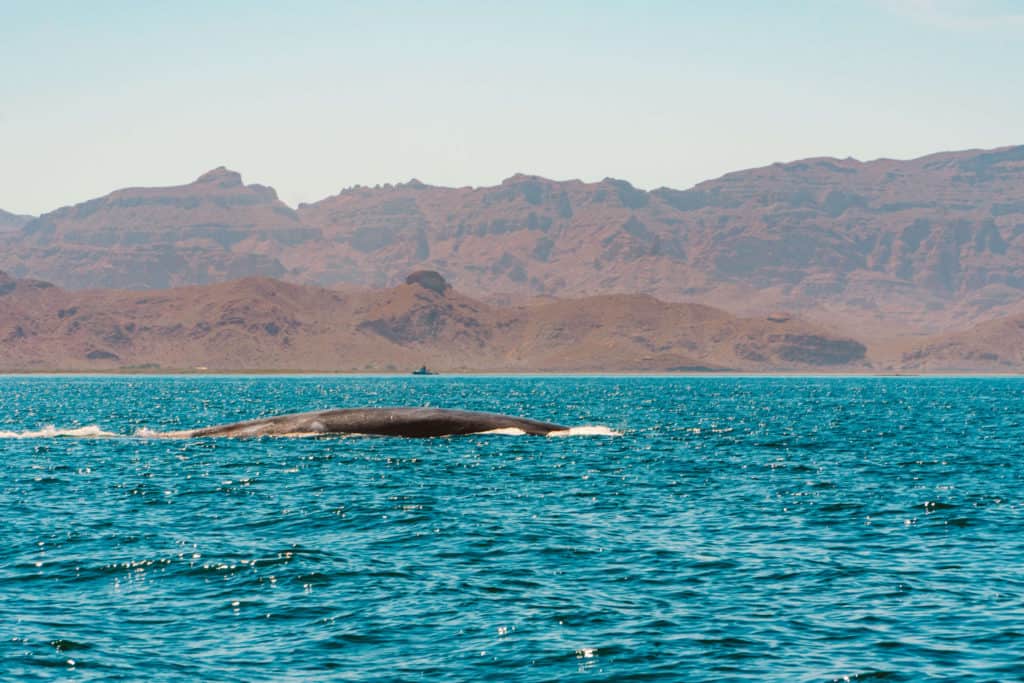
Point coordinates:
[[890, 248], [265, 324]]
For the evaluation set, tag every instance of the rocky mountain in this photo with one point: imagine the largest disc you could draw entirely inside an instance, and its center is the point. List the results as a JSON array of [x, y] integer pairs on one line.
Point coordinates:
[[211, 230], [12, 221], [884, 247], [920, 245], [260, 323]]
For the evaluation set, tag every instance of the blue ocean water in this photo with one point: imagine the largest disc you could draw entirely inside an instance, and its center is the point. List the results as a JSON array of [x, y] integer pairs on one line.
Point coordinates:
[[740, 528]]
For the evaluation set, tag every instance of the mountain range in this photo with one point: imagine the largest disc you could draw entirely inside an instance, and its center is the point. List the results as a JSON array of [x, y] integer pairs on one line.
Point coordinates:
[[889, 252]]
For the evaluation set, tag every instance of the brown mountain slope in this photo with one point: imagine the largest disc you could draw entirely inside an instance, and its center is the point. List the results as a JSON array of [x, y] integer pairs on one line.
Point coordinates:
[[930, 243], [888, 246], [12, 221], [266, 324], [926, 244], [992, 346], [208, 231]]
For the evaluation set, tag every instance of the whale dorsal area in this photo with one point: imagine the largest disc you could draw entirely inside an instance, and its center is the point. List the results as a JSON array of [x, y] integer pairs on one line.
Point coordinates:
[[410, 422]]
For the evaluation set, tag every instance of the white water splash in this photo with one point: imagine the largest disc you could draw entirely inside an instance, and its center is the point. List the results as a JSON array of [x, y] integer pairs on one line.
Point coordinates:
[[51, 431], [505, 431], [147, 433], [587, 430]]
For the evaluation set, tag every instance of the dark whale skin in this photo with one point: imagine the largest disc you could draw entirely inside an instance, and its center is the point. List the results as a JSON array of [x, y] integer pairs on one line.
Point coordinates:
[[410, 422]]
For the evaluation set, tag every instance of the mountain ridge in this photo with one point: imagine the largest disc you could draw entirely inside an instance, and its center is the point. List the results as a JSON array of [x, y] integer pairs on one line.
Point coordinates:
[[12, 221], [894, 247]]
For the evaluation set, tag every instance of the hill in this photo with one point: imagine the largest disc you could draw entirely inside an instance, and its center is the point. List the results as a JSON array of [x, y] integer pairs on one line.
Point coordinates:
[[260, 323], [993, 346]]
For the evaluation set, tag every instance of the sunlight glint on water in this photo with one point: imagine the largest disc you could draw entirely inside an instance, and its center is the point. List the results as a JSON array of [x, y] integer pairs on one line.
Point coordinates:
[[738, 528]]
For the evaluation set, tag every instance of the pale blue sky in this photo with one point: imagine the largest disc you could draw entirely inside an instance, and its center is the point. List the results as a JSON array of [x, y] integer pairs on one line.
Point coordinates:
[[323, 95]]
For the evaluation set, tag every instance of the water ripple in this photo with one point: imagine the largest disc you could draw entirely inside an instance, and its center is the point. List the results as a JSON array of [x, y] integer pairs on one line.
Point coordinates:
[[806, 529]]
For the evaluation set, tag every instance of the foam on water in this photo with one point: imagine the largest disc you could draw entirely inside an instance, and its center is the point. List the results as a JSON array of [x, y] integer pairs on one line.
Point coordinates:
[[587, 430], [505, 431], [51, 431]]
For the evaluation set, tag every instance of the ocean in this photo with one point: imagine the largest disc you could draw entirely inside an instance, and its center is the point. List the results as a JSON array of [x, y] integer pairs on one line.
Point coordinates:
[[711, 528]]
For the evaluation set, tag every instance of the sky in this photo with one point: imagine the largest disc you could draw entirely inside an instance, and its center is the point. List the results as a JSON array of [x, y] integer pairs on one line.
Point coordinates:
[[319, 96]]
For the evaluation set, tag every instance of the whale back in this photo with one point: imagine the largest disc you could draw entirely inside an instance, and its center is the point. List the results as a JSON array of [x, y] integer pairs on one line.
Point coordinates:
[[409, 422]]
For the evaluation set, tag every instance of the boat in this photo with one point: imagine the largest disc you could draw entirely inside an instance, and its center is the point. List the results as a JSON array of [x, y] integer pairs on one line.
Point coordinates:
[[423, 371]]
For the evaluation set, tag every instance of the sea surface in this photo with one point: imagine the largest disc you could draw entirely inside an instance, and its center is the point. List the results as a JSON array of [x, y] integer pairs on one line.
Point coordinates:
[[739, 528]]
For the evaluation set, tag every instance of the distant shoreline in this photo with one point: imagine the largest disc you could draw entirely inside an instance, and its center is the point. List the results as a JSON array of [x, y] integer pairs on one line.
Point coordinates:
[[464, 373]]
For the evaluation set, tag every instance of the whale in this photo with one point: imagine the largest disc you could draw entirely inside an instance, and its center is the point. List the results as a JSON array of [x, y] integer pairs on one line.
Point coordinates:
[[404, 421]]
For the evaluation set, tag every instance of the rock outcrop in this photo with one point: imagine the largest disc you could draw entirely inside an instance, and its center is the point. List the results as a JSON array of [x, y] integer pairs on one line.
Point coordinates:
[[430, 279]]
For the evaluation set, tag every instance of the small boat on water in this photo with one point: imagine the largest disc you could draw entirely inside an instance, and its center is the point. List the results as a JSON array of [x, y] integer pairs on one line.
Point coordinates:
[[423, 371]]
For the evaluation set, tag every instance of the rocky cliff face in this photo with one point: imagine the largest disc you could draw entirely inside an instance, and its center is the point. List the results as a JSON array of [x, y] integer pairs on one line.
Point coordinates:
[[211, 230], [928, 243], [925, 245]]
